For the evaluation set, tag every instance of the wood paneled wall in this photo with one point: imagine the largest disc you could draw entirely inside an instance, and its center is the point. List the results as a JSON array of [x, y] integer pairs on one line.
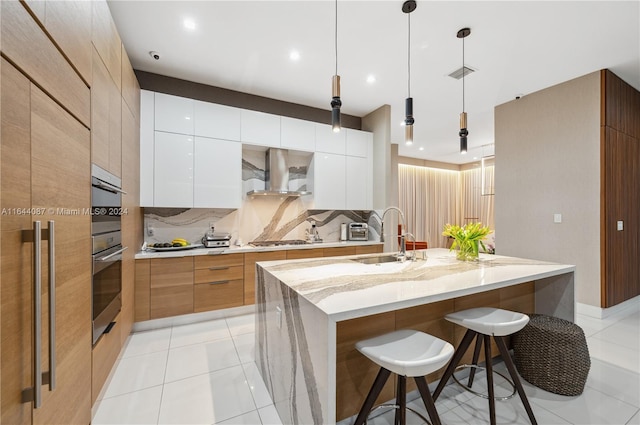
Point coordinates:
[[620, 174]]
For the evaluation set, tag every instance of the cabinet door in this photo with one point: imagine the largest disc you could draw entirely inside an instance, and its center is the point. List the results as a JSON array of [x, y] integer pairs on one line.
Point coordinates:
[[146, 147], [358, 142], [60, 160], [217, 181], [329, 181], [356, 183], [217, 121], [258, 128], [174, 114], [250, 260], [171, 287], [173, 170], [297, 134], [329, 141]]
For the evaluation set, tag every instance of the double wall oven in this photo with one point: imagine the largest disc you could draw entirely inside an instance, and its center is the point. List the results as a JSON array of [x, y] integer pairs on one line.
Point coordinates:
[[106, 211]]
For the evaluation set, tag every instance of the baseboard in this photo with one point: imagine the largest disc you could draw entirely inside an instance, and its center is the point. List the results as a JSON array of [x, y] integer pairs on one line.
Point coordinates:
[[187, 319], [624, 308]]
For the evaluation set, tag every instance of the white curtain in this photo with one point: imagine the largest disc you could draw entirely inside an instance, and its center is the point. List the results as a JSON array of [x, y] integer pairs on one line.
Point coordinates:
[[432, 197]]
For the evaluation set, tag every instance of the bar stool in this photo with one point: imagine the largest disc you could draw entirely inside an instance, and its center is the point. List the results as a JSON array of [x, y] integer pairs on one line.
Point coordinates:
[[407, 353], [482, 323]]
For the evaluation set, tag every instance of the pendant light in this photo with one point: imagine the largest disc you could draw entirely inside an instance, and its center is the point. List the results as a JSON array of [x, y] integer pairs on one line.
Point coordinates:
[[463, 33], [408, 7], [336, 103]]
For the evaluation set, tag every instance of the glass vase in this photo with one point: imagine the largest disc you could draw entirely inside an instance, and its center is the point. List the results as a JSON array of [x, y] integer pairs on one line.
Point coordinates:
[[467, 251]]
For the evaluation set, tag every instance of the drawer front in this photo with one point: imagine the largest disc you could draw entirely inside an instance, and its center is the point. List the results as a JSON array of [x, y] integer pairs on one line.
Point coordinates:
[[206, 261], [168, 272], [171, 301], [368, 249], [294, 254], [338, 251], [219, 273], [218, 295]]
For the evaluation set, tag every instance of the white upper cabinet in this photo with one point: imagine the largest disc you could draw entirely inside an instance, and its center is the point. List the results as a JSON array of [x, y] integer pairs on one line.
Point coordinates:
[[297, 134], [217, 180], [329, 141], [358, 142], [174, 114], [217, 121], [146, 148], [356, 184], [173, 170], [329, 181], [258, 128]]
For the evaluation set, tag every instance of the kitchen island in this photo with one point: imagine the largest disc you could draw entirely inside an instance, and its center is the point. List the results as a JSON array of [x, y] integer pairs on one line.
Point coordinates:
[[310, 314]]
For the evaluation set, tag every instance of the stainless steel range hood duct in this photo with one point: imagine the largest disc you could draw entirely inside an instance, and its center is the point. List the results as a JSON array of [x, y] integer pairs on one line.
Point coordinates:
[[277, 175]]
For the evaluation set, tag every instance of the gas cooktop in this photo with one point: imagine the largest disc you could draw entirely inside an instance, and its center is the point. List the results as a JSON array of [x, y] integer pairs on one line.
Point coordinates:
[[278, 243]]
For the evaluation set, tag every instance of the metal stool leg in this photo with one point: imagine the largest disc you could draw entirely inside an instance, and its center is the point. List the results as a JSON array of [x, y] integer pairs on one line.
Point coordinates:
[[504, 352], [462, 348], [423, 388], [401, 400], [476, 355], [374, 392], [489, 368]]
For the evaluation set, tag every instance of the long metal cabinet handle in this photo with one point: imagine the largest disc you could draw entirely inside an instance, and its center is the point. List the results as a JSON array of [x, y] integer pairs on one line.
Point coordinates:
[[37, 312], [52, 306]]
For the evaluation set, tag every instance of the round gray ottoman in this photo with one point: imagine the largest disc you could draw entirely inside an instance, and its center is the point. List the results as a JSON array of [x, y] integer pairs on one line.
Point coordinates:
[[552, 354]]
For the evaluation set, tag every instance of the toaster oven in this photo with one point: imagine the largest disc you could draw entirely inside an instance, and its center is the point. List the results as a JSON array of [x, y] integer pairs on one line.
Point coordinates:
[[358, 232]]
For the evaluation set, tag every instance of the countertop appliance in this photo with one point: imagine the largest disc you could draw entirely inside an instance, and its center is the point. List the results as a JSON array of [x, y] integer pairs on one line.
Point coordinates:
[[216, 240], [358, 232]]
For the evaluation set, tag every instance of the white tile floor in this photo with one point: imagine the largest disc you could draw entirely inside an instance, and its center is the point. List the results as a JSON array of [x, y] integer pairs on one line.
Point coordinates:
[[205, 373]]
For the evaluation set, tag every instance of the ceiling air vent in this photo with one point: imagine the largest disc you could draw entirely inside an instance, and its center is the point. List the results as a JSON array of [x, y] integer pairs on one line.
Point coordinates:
[[457, 74]]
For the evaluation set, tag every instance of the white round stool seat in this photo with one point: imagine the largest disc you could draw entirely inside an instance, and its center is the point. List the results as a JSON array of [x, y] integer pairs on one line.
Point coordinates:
[[407, 352], [489, 321]]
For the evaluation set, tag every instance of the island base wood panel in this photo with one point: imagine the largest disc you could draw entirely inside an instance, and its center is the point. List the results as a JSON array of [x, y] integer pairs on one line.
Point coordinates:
[[355, 373]]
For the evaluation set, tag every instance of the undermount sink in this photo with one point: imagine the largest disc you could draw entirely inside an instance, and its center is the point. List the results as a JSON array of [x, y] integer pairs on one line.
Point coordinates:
[[389, 258]]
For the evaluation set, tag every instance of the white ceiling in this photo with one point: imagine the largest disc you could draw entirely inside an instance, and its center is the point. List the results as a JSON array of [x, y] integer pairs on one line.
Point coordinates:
[[517, 47]]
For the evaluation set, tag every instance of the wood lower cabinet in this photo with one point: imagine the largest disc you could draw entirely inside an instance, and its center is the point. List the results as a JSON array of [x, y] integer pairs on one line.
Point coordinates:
[[45, 172], [219, 282], [369, 249], [250, 260], [171, 287], [104, 356]]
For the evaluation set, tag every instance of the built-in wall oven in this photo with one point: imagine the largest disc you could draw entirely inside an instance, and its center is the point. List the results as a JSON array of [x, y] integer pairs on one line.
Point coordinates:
[[106, 207]]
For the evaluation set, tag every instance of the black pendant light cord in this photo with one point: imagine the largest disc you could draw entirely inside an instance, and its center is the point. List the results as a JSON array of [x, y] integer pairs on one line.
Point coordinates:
[[336, 38], [463, 72], [409, 57]]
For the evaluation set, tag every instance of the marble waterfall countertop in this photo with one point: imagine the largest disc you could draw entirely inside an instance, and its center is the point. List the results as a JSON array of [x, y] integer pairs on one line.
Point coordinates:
[[344, 288], [246, 248]]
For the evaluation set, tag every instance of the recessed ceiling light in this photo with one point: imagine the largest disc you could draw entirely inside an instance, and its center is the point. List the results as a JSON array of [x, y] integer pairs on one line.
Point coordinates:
[[189, 24], [294, 55], [402, 123], [371, 79], [421, 148]]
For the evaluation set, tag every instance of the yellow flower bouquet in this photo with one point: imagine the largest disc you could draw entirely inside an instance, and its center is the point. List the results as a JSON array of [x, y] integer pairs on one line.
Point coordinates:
[[466, 239]]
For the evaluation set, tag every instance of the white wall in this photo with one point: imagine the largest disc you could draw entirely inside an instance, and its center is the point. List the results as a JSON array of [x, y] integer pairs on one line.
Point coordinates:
[[547, 147]]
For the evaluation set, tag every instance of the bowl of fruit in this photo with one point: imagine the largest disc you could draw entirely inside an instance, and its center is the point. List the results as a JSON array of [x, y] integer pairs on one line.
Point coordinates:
[[175, 245]]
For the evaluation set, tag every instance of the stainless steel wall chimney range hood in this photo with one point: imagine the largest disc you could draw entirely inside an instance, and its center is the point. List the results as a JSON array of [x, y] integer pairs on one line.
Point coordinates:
[[277, 175]]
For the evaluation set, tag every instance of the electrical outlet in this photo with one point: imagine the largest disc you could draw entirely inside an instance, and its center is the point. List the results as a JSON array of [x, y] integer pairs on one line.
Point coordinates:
[[620, 225], [557, 218], [149, 231]]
